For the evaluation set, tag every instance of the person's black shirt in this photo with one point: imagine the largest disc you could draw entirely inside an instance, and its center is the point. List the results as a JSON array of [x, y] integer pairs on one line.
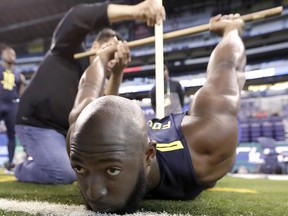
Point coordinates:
[[49, 98]]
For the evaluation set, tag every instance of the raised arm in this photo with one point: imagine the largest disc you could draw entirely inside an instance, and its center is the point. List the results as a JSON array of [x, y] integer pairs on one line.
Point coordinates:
[[75, 25], [91, 84], [211, 128], [149, 11], [85, 18]]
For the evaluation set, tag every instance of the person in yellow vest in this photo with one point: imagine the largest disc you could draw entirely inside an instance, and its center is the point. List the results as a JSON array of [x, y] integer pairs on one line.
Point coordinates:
[[12, 85]]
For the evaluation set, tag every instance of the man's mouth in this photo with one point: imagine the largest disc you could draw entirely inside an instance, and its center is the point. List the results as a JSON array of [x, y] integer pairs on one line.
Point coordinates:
[[100, 207]]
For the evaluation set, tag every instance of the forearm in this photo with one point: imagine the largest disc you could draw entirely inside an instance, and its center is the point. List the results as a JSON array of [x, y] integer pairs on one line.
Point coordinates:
[[118, 12], [225, 72], [90, 87], [112, 88], [225, 79]]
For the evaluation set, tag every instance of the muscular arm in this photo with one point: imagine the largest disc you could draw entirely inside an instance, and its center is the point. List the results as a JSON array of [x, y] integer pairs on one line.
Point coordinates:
[[90, 87], [113, 85], [91, 84], [211, 128]]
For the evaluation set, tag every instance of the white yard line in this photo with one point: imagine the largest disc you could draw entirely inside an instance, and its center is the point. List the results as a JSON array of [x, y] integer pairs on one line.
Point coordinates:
[[260, 176], [45, 208]]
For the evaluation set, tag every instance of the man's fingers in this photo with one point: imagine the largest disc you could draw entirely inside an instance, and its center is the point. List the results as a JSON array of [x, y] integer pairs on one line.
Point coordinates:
[[216, 18], [126, 52], [120, 50], [154, 12], [163, 13], [107, 52], [116, 57], [126, 47], [161, 16], [237, 15], [122, 55]]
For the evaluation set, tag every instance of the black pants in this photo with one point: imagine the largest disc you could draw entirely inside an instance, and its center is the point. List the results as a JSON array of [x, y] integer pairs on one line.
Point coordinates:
[[8, 112]]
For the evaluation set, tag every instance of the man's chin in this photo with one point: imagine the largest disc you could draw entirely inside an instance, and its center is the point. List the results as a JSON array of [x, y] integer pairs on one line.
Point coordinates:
[[100, 210]]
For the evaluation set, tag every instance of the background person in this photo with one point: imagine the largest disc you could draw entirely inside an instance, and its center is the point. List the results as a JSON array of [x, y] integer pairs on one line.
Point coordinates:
[[42, 120], [12, 85], [173, 95], [118, 158]]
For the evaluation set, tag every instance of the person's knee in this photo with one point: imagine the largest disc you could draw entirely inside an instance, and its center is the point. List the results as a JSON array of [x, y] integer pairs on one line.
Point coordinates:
[[66, 176], [63, 173], [52, 175]]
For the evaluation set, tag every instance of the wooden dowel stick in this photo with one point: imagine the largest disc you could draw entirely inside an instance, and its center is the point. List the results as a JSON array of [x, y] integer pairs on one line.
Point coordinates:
[[193, 30], [159, 72]]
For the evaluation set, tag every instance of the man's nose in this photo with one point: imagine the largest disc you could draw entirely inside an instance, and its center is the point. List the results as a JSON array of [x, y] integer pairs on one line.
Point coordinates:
[[96, 189]]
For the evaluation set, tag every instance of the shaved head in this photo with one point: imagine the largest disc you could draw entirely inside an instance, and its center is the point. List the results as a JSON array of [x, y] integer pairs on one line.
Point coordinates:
[[111, 119], [111, 154]]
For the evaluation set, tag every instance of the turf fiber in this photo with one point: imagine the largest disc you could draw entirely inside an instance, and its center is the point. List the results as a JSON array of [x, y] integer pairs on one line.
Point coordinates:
[[230, 196]]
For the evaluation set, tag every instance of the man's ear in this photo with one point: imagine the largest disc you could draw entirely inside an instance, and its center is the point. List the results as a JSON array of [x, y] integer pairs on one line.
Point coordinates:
[[150, 152]]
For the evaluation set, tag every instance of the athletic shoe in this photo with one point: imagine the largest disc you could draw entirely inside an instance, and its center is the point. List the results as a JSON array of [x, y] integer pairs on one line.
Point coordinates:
[[9, 168]]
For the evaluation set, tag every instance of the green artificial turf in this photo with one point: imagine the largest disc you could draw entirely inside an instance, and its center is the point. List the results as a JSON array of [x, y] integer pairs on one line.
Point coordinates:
[[271, 198], [62, 194]]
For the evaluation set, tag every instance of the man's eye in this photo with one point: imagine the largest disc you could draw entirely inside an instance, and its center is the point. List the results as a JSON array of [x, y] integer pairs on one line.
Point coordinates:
[[79, 170], [113, 171]]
